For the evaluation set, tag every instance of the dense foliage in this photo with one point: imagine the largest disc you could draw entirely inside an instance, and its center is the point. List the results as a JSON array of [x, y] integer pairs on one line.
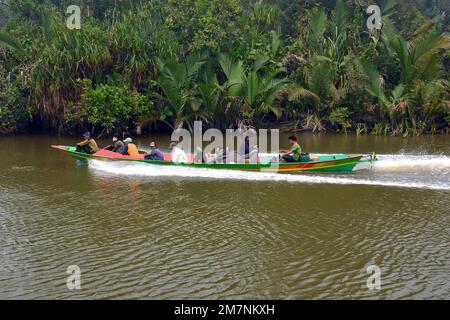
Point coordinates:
[[310, 65]]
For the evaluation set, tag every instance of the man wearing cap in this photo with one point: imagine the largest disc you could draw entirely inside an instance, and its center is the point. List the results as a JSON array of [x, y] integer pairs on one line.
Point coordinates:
[[178, 154], [132, 149], [88, 145], [154, 154]]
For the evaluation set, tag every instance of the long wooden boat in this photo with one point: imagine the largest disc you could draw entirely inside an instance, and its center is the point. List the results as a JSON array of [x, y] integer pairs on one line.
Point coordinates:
[[324, 162]]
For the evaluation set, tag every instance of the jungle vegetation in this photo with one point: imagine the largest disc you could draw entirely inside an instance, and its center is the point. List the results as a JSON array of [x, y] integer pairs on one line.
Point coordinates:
[[141, 66]]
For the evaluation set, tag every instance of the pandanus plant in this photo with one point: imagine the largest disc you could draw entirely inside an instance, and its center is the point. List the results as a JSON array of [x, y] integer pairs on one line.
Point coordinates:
[[63, 57]]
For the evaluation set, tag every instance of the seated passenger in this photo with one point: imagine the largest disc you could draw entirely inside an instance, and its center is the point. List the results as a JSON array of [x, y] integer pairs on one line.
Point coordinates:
[[154, 154], [294, 153], [178, 154], [132, 149], [88, 145], [118, 146]]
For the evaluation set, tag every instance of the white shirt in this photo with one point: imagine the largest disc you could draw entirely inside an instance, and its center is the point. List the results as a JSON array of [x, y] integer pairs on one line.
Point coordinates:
[[178, 155]]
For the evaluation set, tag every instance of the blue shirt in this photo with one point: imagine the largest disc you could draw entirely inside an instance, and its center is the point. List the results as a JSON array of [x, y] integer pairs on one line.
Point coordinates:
[[156, 154]]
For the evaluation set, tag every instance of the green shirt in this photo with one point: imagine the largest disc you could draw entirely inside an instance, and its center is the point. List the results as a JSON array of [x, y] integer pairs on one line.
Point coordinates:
[[296, 151]]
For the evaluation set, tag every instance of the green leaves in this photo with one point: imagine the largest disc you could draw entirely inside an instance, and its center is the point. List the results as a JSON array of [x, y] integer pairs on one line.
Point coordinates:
[[257, 88], [374, 87], [9, 42], [221, 61], [252, 88], [275, 44], [190, 87], [429, 44], [317, 22], [340, 117], [341, 16], [417, 58], [297, 93], [48, 25], [234, 71], [112, 107]]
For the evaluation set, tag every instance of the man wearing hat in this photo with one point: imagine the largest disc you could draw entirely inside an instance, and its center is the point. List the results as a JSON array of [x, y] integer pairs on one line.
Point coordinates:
[[88, 145], [132, 149], [154, 154]]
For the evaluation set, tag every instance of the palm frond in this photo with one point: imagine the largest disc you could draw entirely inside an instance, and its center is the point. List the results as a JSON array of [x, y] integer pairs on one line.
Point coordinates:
[[317, 22], [431, 42], [260, 62], [275, 43], [297, 92], [341, 16], [47, 25], [234, 71], [374, 86], [252, 87], [8, 41], [387, 7]]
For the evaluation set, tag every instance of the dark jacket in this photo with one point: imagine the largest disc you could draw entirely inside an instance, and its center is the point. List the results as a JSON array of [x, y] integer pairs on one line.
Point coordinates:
[[119, 147], [245, 148]]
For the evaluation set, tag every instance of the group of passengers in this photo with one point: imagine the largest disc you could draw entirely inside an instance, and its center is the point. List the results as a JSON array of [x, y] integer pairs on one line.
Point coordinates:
[[127, 147]]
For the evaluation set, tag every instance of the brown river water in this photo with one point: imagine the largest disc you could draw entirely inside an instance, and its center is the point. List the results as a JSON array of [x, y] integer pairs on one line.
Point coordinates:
[[139, 231]]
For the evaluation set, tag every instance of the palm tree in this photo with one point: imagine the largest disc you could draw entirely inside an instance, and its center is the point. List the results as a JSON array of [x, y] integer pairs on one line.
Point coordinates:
[[255, 91], [263, 94], [417, 58], [177, 81], [208, 94]]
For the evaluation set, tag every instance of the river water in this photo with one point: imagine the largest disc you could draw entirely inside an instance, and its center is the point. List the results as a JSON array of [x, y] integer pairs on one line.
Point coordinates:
[[138, 231]]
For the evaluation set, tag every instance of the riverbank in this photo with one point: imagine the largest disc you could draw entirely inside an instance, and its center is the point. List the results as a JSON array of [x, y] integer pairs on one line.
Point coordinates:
[[286, 127]]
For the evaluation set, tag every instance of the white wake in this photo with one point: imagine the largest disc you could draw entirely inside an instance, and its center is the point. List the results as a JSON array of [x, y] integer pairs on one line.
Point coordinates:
[[386, 164]]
